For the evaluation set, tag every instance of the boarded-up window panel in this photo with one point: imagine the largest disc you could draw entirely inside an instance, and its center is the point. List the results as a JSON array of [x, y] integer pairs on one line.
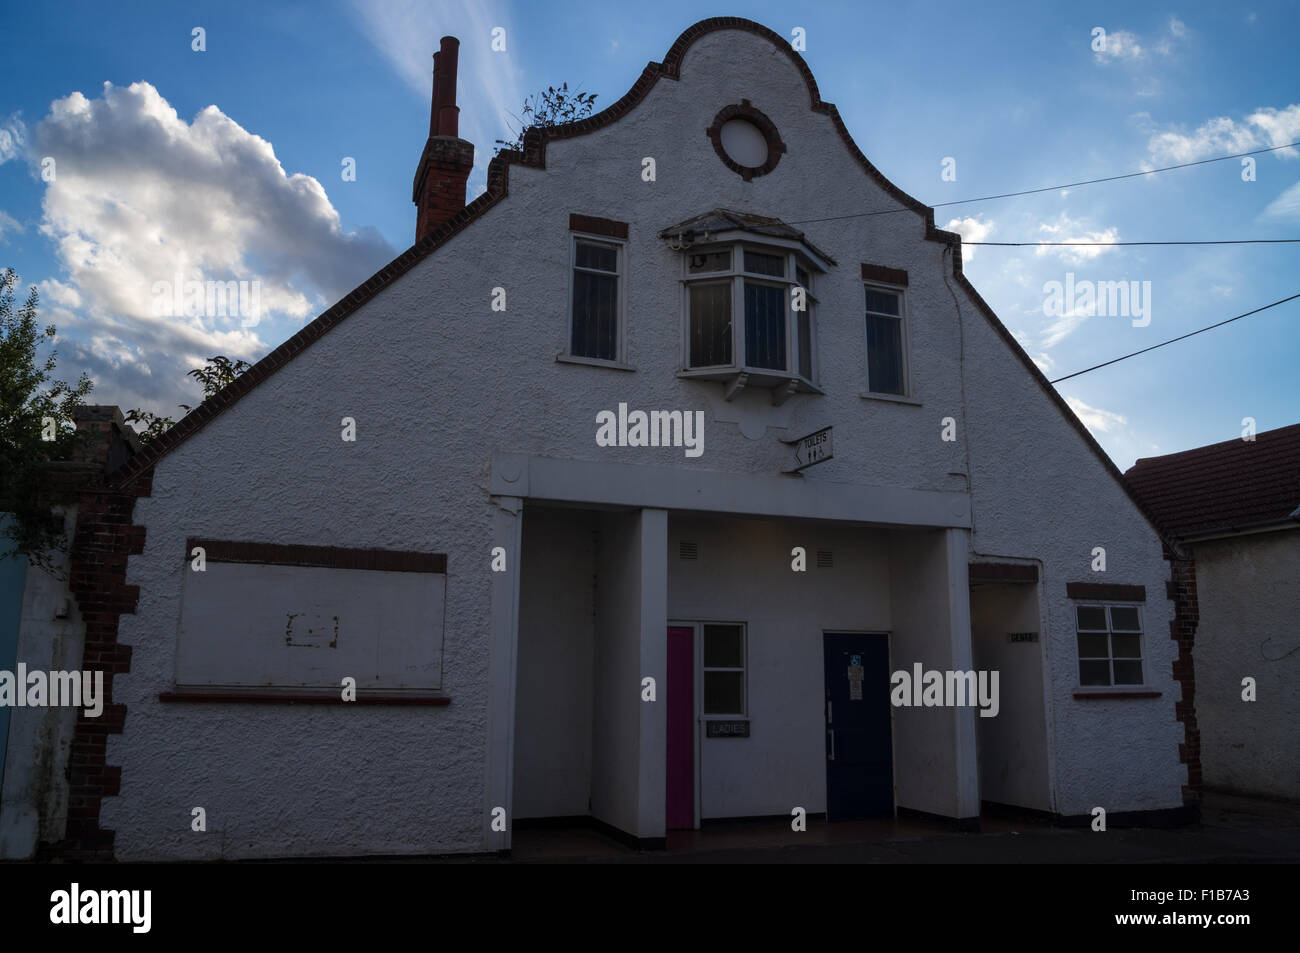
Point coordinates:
[[256, 625]]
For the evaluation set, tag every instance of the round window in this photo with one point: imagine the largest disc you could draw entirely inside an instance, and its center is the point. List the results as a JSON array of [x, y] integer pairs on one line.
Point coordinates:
[[744, 143], [745, 140]]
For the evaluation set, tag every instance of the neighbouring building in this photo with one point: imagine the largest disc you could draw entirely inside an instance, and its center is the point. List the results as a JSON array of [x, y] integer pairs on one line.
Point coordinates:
[[43, 627], [1232, 513], [537, 494]]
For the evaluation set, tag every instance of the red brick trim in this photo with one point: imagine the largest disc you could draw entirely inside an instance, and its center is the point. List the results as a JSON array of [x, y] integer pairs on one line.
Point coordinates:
[[890, 276], [1105, 590], [1182, 629], [745, 110], [1002, 572], [1135, 694], [328, 557], [598, 226], [534, 155], [103, 541], [299, 698]]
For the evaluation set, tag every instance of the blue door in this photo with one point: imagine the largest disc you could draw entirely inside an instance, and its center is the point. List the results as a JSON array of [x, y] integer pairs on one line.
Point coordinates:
[[859, 752]]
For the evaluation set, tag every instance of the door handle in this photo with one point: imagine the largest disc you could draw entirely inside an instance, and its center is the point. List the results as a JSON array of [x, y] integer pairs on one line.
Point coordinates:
[[831, 757]]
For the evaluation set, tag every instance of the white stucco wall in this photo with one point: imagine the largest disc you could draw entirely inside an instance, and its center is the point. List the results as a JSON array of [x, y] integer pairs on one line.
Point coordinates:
[[553, 714], [35, 796], [437, 381], [1012, 746], [1249, 604], [743, 574]]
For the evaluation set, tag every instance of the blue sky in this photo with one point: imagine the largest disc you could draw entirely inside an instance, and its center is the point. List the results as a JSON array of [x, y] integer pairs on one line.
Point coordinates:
[[228, 161]]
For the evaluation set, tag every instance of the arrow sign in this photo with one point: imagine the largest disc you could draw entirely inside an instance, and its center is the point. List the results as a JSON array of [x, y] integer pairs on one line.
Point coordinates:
[[814, 448]]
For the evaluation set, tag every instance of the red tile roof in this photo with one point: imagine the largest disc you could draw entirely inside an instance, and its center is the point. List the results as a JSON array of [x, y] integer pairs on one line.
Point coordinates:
[[1229, 485]]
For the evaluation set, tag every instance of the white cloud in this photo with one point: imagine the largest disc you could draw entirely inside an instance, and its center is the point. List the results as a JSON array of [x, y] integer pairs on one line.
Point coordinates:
[[407, 32], [971, 229], [141, 197], [1264, 128], [1177, 27], [13, 136], [8, 224], [1064, 326], [1042, 359], [1119, 45], [1095, 418], [1066, 229], [1285, 207]]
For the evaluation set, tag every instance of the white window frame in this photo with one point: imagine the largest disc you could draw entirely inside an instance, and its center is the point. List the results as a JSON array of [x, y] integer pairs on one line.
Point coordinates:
[[737, 276], [620, 348], [743, 669], [1106, 605], [904, 342]]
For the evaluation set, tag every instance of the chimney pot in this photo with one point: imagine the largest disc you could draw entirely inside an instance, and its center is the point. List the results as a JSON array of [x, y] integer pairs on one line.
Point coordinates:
[[447, 160]]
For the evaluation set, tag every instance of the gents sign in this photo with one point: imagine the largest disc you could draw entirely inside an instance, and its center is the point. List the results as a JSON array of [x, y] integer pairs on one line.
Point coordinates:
[[811, 449]]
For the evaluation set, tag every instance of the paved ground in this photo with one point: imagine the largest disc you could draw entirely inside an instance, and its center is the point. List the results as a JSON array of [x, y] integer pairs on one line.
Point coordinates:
[[1232, 830]]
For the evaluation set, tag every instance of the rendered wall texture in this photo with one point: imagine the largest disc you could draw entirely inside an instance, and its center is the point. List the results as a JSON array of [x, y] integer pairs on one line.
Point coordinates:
[[436, 381], [1249, 603]]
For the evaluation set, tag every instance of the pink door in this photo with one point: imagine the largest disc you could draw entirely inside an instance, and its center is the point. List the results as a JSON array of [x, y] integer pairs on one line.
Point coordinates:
[[681, 728]]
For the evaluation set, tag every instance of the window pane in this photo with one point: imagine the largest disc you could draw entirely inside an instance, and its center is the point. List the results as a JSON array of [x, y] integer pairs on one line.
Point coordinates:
[[805, 344], [884, 302], [709, 261], [1094, 673], [801, 276], [1124, 619], [723, 646], [760, 264], [764, 326], [884, 355], [1092, 618], [710, 325], [1128, 673], [602, 257], [724, 693], [1093, 646], [595, 316], [1125, 646]]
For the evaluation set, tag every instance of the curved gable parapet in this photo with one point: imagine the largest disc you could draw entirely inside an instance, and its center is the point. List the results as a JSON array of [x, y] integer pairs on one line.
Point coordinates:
[[533, 155], [534, 151]]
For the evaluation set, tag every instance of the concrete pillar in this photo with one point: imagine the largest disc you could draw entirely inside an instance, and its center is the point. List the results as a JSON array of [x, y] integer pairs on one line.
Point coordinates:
[[507, 532], [957, 545], [652, 767]]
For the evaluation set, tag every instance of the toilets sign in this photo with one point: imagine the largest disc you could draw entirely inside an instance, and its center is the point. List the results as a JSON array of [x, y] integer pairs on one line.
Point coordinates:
[[814, 448]]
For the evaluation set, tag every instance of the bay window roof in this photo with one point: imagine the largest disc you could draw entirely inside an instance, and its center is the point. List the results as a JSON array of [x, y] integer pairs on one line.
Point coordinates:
[[723, 225]]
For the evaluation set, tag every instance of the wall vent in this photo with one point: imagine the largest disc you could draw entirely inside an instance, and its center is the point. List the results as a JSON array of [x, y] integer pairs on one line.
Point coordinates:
[[825, 559], [688, 549]]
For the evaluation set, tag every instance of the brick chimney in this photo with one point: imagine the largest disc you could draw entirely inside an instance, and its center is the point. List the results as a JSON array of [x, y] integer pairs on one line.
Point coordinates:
[[439, 191]]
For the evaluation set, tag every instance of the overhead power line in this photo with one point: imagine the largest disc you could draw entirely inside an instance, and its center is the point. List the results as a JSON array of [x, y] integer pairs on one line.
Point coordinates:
[[1052, 188], [1224, 241], [1181, 337]]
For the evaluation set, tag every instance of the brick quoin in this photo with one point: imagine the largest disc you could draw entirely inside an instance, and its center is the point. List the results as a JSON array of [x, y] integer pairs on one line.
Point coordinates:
[[103, 542], [1182, 629]]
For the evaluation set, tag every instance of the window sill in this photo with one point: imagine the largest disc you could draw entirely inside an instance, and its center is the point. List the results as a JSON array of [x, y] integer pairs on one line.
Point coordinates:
[[299, 697], [891, 398], [592, 362], [1115, 691]]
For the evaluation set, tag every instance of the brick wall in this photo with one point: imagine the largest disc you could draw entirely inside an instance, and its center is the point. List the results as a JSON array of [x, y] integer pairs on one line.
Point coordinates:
[[104, 539], [1182, 629]]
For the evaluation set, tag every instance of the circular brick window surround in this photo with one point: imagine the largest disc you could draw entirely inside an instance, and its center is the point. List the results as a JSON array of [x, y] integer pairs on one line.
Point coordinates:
[[746, 140]]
